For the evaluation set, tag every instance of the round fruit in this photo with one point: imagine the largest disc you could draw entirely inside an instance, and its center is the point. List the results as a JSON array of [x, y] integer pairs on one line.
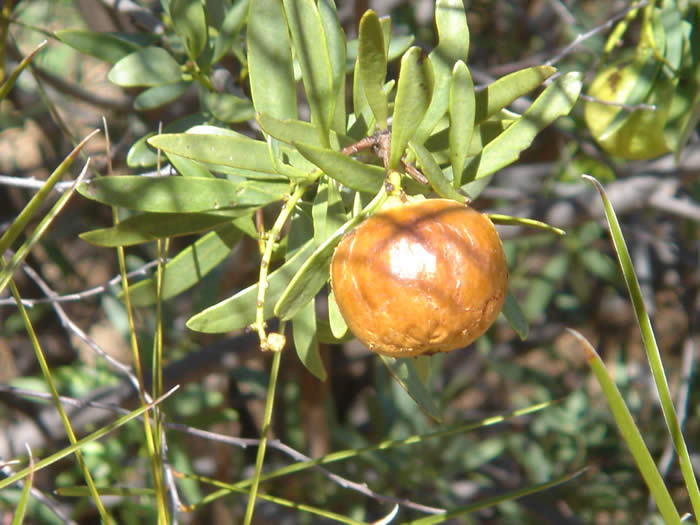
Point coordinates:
[[420, 278], [640, 135]]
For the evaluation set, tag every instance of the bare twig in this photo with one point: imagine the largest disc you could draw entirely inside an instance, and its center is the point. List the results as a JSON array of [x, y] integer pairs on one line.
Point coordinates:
[[80, 296], [588, 34]]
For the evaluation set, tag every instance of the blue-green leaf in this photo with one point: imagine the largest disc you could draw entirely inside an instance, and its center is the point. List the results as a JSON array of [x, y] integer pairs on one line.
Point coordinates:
[[305, 335], [190, 24], [413, 94], [272, 84], [181, 194], [556, 100], [237, 312], [461, 110], [309, 40], [150, 66], [190, 266], [346, 170], [372, 66]]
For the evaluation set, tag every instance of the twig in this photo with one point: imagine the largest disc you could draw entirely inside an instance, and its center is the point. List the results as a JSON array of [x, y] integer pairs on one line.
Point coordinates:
[[588, 34], [79, 296], [275, 444], [69, 325]]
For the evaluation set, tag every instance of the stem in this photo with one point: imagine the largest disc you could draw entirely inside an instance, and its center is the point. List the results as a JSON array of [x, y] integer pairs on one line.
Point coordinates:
[[274, 341], [269, 403]]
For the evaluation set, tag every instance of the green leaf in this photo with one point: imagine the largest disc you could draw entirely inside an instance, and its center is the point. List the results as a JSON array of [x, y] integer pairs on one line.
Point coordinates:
[[453, 45], [110, 47], [230, 28], [270, 69], [190, 24], [188, 167], [190, 266], [237, 312], [305, 26], [397, 47], [140, 154], [338, 327], [181, 194], [413, 94], [372, 66], [631, 434], [150, 66], [158, 96], [335, 41], [291, 130], [507, 89], [227, 107], [522, 221], [346, 170], [147, 227], [236, 151], [555, 101], [305, 332], [406, 375], [515, 316], [651, 476], [461, 110], [434, 174]]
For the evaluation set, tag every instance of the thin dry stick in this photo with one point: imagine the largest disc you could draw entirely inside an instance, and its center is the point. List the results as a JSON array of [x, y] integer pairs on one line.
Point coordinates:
[[79, 296]]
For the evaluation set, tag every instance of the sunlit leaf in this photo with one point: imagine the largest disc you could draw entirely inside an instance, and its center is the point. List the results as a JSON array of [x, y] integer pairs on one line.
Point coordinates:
[[346, 170], [238, 311], [272, 84], [180, 194], [461, 109], [413, 94], [372, 66], [190, 24], [190, 266], [309, 40]]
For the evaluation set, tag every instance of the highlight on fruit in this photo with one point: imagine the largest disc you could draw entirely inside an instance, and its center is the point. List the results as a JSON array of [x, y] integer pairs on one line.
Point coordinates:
[[420, 278]]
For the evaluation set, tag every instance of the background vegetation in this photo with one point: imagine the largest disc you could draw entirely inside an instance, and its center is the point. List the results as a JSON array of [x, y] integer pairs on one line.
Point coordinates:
[[182, 464]]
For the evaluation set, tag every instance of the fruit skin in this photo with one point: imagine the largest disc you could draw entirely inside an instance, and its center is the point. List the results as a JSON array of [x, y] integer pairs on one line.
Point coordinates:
[[420, 278]]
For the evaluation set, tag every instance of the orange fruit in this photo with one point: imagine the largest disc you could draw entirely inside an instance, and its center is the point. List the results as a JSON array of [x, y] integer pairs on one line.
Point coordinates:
[[420, 278]]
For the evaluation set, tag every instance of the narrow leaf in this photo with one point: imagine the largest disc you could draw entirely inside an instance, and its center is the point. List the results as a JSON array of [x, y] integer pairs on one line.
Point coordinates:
[[150, 66], [189, 266], [272, 84], [413, 94], [309, 40], [147, 227], [372, 65], [453, 45], [406, 375], [434, 174], [238, 311], [461, 110], [507, 89], [229, 29], [515, 316], [110, 47], [335, 40], [555, 101], [235, 151], [651, 348], [631, 435], [158, 96], [190, 25], [338, 327], [305, 332], [346, 170], [227, 107], [180, 194]]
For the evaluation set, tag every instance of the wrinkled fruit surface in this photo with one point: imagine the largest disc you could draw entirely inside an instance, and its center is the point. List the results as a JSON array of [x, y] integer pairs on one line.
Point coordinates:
[[420, 278]]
